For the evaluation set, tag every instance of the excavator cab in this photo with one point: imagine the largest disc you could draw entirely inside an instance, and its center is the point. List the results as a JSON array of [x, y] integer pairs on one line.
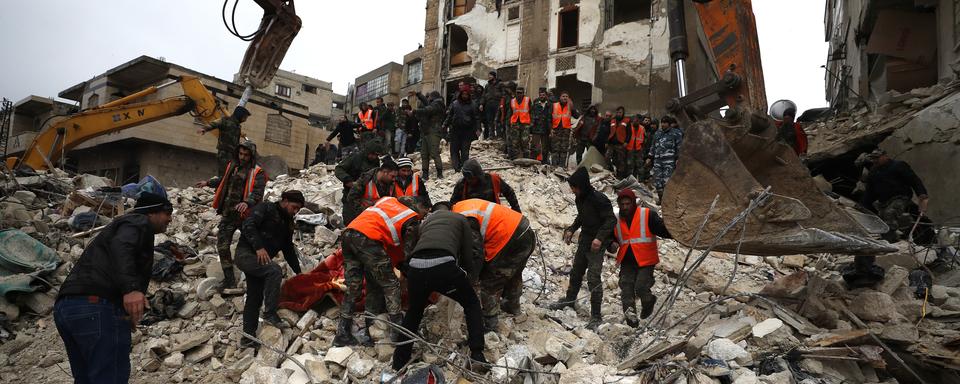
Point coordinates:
[[738, 160]]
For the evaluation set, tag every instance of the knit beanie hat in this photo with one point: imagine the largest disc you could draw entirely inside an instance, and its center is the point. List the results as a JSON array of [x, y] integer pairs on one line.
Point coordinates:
[[152, 203], [387, 163], [404, 162]]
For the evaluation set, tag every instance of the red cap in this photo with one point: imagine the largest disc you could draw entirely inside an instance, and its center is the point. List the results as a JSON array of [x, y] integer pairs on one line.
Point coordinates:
[[626, 192]]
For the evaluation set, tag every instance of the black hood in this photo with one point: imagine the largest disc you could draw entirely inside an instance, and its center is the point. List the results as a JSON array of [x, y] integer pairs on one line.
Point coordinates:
[[581, 179], [253, 151], [374, 146], [473, 166]]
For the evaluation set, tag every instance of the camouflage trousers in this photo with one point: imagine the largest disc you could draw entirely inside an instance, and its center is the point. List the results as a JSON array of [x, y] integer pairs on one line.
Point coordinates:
[[583, 145], [896, 213], [430, 149], [229, 225], [502, 277], [634, 164], [519, 140], [662, 170], [365, 259], [560, 140], [539, 147], [617, 159]]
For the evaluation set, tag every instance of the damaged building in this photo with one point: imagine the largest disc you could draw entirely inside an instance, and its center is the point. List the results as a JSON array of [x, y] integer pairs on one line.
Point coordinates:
[[283, 124], [606, 52], [891, 79]]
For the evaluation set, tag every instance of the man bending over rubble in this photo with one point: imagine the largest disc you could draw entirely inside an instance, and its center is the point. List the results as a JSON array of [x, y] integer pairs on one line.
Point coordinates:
[[373, 245], [351, 168], [595, 220], [636, 235], [268, 230], [103, 297], [237, 191], [447, 260], [374, 184], [477, 184], [508, 242]]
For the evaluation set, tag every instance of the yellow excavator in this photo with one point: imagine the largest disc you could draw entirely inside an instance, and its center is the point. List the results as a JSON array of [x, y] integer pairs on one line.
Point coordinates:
[[737, 159], [268, 45]]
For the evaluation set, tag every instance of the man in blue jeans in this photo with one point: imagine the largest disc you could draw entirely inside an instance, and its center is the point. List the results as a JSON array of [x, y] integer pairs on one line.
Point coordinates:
[[103, 297]]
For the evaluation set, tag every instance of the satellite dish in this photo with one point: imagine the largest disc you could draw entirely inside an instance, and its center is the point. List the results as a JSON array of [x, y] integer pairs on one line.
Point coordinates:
[[779, 106]]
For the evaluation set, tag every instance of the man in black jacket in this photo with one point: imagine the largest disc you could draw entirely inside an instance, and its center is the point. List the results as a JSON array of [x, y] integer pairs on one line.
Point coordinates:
[[447, 259], [268, 230], [463, 118], [596, 221], [103, 297], [346, 130], [891, 185], [477, 184]]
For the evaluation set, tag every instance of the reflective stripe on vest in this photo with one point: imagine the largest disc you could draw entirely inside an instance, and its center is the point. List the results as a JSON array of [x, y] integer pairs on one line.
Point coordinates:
[[366, 118], [637, 136], [249, 184], [561, 116], [637, 238], [521, 111], [498, 223], [392, 221], [618, 129], [370, 192], [412, 189], [484, 217]]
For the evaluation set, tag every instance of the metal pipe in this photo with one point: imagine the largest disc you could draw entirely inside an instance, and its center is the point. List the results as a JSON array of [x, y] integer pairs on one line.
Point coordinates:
[[246, 96], [681, 77]]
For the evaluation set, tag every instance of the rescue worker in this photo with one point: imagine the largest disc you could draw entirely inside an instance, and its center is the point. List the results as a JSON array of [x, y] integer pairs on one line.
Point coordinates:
[[463, 119], [651, 126], [229, 137], [633, 150], [489, 105], [373, 185], [561, 125], [508, 242], [267, 231], [617, 137], [791, 132], [596, 221], [477, 184], [890, 188], [367, 122], [373, 245], [384, 121], [346, 131], [409, 183], [519, 125], [542, 114], [603, 133], [586, 130], [666, 150], [636, 235], [352, 168], [431, 114], [102, 299], [400, 136], [446, 259], [237, 192]]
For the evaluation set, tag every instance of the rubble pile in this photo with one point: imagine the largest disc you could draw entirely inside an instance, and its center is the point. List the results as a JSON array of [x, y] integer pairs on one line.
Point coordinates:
[[776, 320]]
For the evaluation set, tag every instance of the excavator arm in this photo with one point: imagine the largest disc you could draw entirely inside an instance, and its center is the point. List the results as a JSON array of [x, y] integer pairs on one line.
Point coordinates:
[[738, 157], [50, 145]]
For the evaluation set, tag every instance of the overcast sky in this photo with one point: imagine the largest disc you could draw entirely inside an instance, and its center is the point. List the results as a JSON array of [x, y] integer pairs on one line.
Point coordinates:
[[50, 45]]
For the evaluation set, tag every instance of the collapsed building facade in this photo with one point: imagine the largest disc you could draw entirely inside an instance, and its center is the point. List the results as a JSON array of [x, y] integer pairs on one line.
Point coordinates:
[[605, 52]]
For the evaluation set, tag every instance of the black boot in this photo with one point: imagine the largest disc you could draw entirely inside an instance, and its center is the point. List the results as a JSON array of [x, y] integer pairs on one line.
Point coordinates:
[[478, 363], [647, 307], [393, 333], [425, 174], [561, 304], [275, 320], [630, 317], [594, 323], [229, 279], [490, 323], [439, 173], [367, 340], [344, 333]]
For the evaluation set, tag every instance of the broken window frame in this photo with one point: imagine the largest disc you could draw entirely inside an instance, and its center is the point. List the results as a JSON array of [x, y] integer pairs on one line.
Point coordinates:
[[309, 88], [452, 30], [611, 14], [461, 7], [414, 73], [560, 30], [282, 90], [376, 87]]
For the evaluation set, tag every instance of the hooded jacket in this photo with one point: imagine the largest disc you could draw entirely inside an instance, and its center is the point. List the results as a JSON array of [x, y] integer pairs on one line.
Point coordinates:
[[484, 189], [445, 233], [431, 115], [259, 184], [118, 261], [351, 168], [595, 217], [271, 229]]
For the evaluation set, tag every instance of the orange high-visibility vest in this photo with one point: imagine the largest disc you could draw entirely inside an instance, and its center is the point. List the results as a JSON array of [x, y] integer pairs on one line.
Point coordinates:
[[521, 111], [494, 179], [412, 190], [247, 188], [638, 238], [497, 223], [618, 129], [561, 116], [383, 223], [366, 119], [370, 193], [637, 134]]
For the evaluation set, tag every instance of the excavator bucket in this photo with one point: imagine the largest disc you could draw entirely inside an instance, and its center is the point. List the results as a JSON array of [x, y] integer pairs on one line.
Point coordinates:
[[278, 27], [736, 159]]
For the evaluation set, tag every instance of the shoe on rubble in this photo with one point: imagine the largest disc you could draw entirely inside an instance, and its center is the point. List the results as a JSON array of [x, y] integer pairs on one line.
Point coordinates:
[[274, 320], [561, 304], [594, 323]]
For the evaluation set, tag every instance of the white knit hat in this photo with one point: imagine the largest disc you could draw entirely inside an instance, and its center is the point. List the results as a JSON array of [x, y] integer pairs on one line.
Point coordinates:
[[404, 162]]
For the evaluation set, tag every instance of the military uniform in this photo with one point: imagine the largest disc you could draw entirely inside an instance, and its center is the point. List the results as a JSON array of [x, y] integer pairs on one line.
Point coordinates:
[[502, 277], [634, 151], [541, 114], [666, 149], [431, 117], [351, 169], [519, 143], [616, 152], [227, 141], [358, 199]]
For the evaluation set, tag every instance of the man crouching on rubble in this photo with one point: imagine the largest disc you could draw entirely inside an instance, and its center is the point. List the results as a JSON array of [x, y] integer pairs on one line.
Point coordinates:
[[268, 230], [446, 259], [374, 244], [595, 220], [103, 297], [636, 234]]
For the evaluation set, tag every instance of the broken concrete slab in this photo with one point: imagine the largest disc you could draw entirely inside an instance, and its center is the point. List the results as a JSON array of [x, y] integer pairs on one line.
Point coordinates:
[[766, 327], [874, 306], [724, 349], [338, 355]]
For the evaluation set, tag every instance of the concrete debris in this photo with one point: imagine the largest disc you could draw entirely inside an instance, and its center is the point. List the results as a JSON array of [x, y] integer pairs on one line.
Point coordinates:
[[724, 349], [766, 327]]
